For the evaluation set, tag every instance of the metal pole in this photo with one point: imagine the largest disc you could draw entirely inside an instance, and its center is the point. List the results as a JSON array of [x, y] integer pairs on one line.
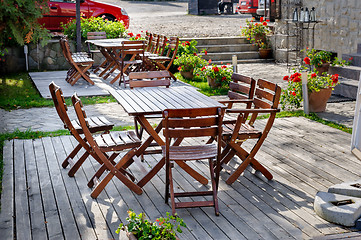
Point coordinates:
[[234, 63], [305, 93], [78, 36], [26, 51]]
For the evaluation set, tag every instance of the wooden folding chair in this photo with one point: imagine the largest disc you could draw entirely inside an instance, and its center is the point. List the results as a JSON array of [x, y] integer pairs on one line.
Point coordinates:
[[192, 123], [79, 63], [97, 124], [148, 79], [134, 49], [93, 36], [110, 142], [165, 62], [265, 101]]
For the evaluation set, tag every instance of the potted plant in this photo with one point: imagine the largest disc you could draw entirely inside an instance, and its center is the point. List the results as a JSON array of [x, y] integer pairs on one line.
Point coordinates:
[[188, 62], [217, 76], [319, 90], [320, 61], [140, 228], [256, 31], [264, 48]]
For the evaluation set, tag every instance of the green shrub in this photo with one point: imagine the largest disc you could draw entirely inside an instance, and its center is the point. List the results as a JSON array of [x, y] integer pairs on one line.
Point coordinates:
[[113, 29]]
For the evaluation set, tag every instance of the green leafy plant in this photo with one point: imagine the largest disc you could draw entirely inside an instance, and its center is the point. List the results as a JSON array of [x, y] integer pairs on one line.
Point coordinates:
[[162, 228], [254, 31], [187, 47], [266, 44], [292, 96], [221, 74], [113, 29], [189, 62], [316, 58], [19, 23]]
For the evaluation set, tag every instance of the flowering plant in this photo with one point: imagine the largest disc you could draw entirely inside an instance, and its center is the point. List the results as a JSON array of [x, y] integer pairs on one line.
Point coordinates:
[[134, 37], [317, 58], [188, 47], [221, 74], [189, 62], [162, 228], [266, 44], [253, 30], [292, 95]]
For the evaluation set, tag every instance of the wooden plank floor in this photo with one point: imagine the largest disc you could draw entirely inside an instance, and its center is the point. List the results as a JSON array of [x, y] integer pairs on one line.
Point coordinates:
[[40, 201]]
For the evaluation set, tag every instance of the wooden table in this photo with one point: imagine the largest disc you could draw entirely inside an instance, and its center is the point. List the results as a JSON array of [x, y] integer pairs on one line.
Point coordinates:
[[141, 102], [110, 48]]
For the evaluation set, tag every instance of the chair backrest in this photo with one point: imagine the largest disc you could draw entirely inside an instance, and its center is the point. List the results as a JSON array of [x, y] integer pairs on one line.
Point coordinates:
[[63, 42], [149, 79], [195, 122], [162, 45], [154, 43], [148, 41], [60, 105], [96, 35], [173, 43], [267, 96], [132, 47]]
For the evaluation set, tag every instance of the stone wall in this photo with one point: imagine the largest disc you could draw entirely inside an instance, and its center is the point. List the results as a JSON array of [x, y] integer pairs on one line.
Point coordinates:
[[339, 30], [49, 57]]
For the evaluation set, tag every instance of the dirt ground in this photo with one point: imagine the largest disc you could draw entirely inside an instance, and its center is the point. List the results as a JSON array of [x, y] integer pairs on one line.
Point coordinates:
[[172, 19]]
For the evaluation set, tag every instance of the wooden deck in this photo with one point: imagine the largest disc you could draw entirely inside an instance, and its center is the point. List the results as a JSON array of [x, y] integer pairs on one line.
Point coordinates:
[[40, 201]]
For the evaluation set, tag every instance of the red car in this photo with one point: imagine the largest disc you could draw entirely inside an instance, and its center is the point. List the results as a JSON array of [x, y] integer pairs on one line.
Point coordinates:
[[64, 10], [248, 6]]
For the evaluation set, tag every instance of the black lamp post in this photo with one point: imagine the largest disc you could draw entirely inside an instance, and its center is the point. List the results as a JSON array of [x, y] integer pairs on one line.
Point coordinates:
[[78, 36]]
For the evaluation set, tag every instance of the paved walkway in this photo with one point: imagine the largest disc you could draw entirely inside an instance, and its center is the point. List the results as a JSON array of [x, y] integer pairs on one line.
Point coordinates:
[[46, 119]]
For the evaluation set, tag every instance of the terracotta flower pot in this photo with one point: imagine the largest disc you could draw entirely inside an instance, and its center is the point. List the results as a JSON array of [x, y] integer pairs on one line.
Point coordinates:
[[212, 82], [188, 75], [124, 235], [317, 101], [265, 53], [323, 68]]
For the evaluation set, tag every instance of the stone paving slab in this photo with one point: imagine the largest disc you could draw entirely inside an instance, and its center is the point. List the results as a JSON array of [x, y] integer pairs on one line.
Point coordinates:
[[82, 87]]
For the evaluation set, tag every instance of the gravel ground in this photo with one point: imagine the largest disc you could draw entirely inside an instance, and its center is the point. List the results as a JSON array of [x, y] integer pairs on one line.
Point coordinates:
[[172, 19]]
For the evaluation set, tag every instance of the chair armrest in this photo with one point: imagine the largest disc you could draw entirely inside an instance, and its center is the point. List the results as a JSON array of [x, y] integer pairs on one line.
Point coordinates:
[[266, 110]]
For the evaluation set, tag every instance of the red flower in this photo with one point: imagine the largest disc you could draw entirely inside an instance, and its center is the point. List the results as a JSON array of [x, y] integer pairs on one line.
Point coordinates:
[[210, 60], [136, 38], [267, 20], [334, 78], [307, 60], [215, 69], [293, 93], [195, 54], [138, 35], [10, 38], [203, 68], [313, 75], [205, 52], [224, 66], [179, 68], [261, 19], [224, 78], [131, 34], [286, 78], [188, 43], [264, 23], [297, 79], [350, 59]]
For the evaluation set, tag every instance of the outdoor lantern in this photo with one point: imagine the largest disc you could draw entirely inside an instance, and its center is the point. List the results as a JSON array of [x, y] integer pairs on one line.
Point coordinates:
[[295, 15], [307, 16], [313, 15], [302, 15]]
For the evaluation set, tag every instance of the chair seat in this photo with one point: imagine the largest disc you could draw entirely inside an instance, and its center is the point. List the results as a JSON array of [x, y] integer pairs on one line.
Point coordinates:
[[96, 124], [160, 58], [227, 118], [82, 59], [246, 131], [117, 141], [187, 153]]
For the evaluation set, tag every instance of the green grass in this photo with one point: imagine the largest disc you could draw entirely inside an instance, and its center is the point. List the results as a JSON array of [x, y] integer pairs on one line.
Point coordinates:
[[203, 87], [18, 91]]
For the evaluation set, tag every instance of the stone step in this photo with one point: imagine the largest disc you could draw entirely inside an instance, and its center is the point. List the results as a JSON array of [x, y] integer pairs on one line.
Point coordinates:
[[356, 58], [228, 55], [347, 88], [241, 61], [218, 40], [228, 48], [350, 72]]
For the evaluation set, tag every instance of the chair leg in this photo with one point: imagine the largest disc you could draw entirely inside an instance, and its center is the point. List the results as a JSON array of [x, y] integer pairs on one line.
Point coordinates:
[[71, 155], [115, 171], [214, 187], [77, 165], [171, 188], [167, 169]]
